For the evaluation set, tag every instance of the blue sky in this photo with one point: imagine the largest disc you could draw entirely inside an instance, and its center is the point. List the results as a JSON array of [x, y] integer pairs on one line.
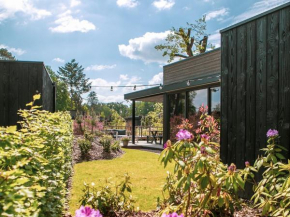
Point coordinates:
[[112, 39]]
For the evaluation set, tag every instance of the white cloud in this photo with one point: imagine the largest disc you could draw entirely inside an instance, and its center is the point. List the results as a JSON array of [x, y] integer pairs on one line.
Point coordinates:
[[100, 67], [59, 60], [163, 4], [66, 23], [186, 8], [257, 8], [157, 79], [14, 51], [74, 3], [9, 8], [217, 14], [124, 77], [142, 48], [127, 3], [111, 98], [215, 39]]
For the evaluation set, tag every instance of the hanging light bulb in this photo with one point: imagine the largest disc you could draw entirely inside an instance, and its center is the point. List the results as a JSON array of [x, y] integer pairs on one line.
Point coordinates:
[[134, 87], [160, 87], [188, 82], [111, 88]]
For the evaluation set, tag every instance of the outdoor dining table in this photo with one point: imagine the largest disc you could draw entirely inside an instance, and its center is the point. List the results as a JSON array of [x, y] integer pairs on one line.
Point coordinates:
[[156, 135]]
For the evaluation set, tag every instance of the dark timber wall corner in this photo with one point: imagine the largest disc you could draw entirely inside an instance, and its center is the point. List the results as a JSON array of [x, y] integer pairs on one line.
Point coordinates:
[[19, 81], [255, 85]]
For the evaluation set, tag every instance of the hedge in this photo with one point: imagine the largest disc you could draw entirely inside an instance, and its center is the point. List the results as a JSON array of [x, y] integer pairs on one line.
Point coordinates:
[[35, 163]]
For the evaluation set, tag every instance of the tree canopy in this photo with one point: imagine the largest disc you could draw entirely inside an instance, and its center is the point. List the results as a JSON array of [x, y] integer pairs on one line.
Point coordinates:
[[181, 43], [6, 55], [63, 102], [72, 74]]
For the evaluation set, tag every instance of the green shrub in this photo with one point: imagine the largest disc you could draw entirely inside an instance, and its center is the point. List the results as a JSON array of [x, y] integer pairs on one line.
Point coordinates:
[[110, 198], [35, 164], [90, 137], [106, 141], [115, 146], [272, 193], [85, 146]]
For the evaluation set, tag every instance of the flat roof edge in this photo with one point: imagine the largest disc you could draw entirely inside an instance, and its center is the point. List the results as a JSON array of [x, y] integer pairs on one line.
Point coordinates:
[[196, 82], [189, 58], [256, 17]]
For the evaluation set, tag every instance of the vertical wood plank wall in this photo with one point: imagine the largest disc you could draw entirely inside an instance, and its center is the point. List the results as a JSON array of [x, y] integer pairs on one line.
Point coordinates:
[[19, 81], [255, 86]]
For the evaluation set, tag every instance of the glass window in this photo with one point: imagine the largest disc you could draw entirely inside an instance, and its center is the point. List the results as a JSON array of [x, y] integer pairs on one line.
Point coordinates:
[[195, 100], [215, 101], [177, 112]]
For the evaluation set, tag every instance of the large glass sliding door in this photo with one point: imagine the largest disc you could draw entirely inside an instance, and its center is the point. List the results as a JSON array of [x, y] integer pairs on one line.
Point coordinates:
[[186, 105]]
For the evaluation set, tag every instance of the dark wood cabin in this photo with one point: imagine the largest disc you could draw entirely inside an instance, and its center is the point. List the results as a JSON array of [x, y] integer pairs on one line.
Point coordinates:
[[19, 81]]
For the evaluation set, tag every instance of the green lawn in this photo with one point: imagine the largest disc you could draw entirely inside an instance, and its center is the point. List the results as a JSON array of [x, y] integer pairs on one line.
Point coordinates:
[[146, 172]]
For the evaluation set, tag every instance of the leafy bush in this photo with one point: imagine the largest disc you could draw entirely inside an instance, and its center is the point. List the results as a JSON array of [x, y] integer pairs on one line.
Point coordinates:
[[110, 198], [85, 146], [201, 184], [90, 137], [106, 141], [272, 194], [35, 164], [115, 146]]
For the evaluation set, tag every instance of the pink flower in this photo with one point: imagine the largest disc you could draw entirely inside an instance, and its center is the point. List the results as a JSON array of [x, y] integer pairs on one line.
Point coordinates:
[[272, 133], [172, 215], [87, 212], [184, 135], [247, 163], [203, 150], [204, 136]]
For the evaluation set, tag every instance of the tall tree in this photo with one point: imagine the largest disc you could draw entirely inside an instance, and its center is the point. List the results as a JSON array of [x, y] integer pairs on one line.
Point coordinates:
[[72, 74], [92, 99], [6, 55], [62, 95], [181, 43]]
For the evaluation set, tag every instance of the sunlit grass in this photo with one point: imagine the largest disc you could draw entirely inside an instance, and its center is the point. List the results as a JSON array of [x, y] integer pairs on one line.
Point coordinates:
[[146, 172]]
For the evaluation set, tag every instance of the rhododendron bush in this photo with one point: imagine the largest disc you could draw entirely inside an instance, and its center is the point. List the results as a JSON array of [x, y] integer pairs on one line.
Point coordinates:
[[201, 184]]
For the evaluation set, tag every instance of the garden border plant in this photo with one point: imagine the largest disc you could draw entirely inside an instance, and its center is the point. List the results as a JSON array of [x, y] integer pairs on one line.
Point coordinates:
[[36, 163]]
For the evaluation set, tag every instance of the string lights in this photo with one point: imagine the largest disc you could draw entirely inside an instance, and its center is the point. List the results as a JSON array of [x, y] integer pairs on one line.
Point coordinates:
[[134, 86]]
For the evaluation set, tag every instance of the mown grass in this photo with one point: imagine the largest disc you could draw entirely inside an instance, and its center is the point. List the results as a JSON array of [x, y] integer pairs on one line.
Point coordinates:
[[146, 172]]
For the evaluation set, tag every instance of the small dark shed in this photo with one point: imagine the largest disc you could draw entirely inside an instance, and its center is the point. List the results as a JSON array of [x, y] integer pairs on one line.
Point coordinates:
[[19, 81], [255, 84]]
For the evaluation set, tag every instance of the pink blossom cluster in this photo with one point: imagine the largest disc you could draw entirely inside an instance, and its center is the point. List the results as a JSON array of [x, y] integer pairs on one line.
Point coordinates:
[[172, 215], [87, 212], [184, 135]]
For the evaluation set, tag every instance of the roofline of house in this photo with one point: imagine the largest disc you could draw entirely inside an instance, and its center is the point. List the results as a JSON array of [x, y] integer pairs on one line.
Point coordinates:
[[189, 58], [174, 87], [255, 17]]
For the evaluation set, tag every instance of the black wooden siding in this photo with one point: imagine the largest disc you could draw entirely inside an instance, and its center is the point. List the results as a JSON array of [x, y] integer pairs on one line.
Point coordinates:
[[255, 86], [19, 81]]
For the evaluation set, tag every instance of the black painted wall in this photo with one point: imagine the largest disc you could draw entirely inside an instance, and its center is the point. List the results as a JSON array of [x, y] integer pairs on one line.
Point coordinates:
[[255, 83], [19, 81]]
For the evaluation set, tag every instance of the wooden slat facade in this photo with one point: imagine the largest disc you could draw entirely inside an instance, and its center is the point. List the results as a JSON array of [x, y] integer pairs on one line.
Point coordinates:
[[19, 81], [201, 65], [255, 86]]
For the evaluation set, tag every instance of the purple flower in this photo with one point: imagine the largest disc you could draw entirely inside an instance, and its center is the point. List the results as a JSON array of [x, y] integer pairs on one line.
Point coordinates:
[[247, 163], [183, 135], [172, 215], [272, 133], [165, 145], [232, 168], [203, 150], [87, 212], [204, 137]]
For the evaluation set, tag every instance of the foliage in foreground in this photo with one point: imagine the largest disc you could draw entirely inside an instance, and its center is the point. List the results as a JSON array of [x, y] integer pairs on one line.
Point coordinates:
[[272, 194], [35, 164], [201, 184], [111, 198]]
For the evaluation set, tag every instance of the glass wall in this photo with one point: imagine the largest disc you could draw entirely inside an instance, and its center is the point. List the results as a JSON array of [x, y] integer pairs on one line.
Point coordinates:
[[216, 102], [186, 105], [177, 111]]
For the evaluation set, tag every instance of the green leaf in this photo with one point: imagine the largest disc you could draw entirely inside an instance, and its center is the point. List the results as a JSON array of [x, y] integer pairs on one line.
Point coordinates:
[[220, 202], [36, 97], [204, 182], [280, 156], [11, 129]]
